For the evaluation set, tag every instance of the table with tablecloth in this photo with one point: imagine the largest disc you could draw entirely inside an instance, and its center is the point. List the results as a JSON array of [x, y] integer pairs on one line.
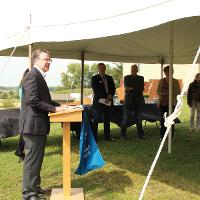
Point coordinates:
[[9, 118], [150, 113]]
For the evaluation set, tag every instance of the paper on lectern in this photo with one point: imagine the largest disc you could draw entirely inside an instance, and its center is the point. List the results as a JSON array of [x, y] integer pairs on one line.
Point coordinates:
[[73, 107]]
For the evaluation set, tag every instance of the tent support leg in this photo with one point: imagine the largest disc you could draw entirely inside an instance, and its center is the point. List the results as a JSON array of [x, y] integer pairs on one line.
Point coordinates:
[[82, 74], [171, 50]]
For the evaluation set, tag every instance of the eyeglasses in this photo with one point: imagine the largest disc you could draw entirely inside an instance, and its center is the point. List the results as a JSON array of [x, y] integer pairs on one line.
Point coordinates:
[[47, 60]]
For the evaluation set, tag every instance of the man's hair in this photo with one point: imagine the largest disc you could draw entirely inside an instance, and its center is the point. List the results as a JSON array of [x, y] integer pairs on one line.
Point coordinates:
[[166, 69], [23, 76], [36, 54], [101, 64], [134, 65], [198, 74]]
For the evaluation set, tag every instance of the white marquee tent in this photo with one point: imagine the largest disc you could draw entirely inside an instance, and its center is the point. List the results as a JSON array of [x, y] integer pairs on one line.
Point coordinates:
[[138, 34], [126, 31]]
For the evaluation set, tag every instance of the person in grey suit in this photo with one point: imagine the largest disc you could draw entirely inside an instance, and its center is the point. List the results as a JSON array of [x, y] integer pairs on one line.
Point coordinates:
[[103, 88], [134, 101], [34, 123]]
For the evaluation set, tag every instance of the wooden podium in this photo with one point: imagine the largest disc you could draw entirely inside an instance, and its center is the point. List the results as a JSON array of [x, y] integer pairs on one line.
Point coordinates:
[[67, 193]]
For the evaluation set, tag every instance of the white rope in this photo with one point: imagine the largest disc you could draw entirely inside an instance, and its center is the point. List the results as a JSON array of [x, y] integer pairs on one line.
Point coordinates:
[[169, 121], [10, 56]]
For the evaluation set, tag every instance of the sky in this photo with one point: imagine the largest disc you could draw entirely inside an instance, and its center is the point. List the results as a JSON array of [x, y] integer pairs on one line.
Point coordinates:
[[12, 73]]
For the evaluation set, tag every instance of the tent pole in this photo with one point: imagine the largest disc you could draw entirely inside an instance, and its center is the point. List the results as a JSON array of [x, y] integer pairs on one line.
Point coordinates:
[[162, 63], [29, 56], [171, 50], [30, 50], [82, 74]]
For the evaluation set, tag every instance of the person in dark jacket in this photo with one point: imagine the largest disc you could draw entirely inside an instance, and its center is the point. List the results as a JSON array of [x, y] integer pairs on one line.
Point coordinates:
[[193, 101], [134, 101], [103, 88], [34, 122]]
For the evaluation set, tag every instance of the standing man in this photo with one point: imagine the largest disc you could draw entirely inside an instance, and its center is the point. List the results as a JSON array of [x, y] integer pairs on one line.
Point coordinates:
[[103, 89], [193, 101], [134, 101], [34, 122]]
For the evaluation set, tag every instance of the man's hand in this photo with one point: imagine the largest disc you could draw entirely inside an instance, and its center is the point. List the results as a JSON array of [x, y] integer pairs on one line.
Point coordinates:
[[128, 89], [60, 108], [110, 97]]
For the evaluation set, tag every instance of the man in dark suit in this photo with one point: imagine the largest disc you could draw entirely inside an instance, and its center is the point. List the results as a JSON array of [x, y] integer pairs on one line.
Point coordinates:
[[134, 101], [34, 122], [103, 89]]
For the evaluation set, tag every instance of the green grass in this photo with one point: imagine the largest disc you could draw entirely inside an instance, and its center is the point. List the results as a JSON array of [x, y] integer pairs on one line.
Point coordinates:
[[176, 176]]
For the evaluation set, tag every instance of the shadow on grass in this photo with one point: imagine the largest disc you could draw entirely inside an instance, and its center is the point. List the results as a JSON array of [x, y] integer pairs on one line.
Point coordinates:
[[103, 182], [10, 144], [179, 169], [100, 183]]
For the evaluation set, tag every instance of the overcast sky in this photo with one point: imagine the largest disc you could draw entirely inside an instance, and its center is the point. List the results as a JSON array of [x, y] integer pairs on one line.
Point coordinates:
[[11, 75]]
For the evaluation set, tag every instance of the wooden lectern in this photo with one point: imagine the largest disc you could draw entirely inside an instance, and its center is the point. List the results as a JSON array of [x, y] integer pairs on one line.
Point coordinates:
[[67, 193]]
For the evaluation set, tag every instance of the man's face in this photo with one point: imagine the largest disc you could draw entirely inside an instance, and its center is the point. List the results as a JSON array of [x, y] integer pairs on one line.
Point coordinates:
[[102, 69], [134, 70], [197, 78], [43, 62], [166, 72]]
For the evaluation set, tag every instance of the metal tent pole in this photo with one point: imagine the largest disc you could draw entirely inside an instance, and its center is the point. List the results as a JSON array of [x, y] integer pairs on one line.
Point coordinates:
[[30, 49], [82, 74], [171, 50], [162, 67]]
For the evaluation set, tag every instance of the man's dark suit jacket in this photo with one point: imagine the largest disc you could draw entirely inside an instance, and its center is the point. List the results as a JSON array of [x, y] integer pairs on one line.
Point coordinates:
[[36, 104], [99, 89], [135, 96]]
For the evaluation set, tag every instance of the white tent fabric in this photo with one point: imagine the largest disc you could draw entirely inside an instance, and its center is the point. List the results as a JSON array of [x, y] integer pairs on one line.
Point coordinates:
[[140, 35]]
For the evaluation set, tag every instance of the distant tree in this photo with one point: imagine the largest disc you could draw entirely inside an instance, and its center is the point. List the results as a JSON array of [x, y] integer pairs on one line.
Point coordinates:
[[11, 94], [16, 96], [116, 72], [72, 78], [92, 71], [8, 103], [4, 95]]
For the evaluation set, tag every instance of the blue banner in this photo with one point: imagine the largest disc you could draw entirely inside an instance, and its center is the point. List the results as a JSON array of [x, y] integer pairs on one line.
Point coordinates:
[[90, 156]]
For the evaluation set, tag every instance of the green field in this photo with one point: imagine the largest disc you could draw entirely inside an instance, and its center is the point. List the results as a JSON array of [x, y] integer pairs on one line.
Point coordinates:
[[176, 176]]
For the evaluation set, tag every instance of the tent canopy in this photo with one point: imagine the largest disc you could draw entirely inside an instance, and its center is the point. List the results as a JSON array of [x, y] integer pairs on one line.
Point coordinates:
[[141, 35]]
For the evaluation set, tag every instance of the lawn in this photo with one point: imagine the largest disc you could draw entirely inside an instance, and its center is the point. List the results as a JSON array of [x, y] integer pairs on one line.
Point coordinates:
[[176, 176]]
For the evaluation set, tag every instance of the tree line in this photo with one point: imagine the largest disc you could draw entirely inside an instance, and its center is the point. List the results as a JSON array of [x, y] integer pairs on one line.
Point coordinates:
[[71, 79]]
